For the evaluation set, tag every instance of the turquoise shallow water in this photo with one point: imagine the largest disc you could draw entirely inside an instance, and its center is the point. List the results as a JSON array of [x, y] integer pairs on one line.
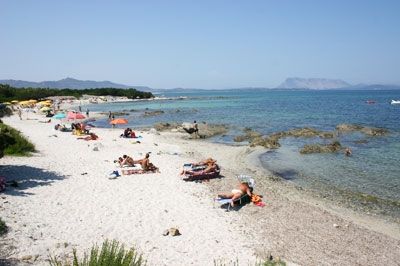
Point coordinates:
[[373, 169]]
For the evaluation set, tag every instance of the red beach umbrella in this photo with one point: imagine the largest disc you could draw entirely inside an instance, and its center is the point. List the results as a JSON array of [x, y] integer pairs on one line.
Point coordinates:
[[73, 116]]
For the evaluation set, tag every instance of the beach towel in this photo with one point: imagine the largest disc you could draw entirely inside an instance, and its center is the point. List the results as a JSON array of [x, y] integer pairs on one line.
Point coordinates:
[[139, 171], [200, 175]]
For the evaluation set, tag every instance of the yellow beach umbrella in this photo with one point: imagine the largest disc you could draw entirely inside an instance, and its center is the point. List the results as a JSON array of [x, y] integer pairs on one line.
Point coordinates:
[[7, 103], [32, 101], [14, 101], [44, 104], [45, 109]]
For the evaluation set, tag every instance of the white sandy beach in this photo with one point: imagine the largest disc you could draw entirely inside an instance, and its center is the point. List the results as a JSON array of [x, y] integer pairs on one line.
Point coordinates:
[[58, 207]]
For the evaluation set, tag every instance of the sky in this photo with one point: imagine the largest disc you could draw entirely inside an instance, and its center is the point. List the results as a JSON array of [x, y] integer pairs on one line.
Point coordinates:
[[212, 44]]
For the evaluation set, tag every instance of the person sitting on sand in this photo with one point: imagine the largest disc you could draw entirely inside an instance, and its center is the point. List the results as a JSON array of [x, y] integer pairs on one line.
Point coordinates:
[[243, 188], [127, 160], [127, 133], [146, 164], [91, 136]]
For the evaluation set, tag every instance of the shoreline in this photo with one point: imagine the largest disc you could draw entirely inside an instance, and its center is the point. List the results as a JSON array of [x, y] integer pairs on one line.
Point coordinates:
[[290, 226]]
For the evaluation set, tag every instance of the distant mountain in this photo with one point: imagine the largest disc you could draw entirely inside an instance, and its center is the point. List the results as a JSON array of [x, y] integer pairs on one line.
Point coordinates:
[[69, 83], [313, 84]]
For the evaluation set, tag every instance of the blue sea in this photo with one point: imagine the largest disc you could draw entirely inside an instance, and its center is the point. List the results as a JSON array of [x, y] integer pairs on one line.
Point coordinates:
[[370, 177]]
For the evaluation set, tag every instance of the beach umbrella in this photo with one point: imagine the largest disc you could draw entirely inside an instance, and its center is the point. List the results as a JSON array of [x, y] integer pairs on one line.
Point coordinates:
[[119, 121], [24, 102], [45, 109], [32, 101], [60, 116], [74, 116], [7, 103], [14, 101], [44, 103]]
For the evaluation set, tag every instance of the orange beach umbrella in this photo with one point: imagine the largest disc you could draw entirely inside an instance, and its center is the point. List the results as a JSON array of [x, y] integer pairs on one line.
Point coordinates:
[[119, 121]]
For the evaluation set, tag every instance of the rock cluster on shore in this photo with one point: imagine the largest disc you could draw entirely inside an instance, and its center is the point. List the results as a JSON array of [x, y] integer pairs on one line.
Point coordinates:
[[205, 130], [272, 141]]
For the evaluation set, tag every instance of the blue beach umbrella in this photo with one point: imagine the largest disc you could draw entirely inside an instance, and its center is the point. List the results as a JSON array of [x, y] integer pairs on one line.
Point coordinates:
[[59, 116]]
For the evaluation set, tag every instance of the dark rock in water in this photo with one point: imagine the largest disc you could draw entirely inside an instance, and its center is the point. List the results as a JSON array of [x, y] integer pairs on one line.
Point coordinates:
[[153, 113], [272, 141], [267, 142], [321, 148], [165, 126], [306, 132], [115, 113], [348, 127], [210, 130], [370, 131], [248, 136]]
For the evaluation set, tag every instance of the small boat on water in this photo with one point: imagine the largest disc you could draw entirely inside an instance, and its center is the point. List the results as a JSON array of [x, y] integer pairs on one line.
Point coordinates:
[[395, 102]]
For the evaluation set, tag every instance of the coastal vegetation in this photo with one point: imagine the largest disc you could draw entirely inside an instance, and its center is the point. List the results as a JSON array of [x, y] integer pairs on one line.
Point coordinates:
[[111, 253], [272, 141], [8, 93], [13, 143], [11, 140], [3, 227]]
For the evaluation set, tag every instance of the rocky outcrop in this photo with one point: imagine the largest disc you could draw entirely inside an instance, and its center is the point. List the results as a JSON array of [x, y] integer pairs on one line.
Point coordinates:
[[321, 148], [205, 130], [370, 131], [272, 141], [153, 113]]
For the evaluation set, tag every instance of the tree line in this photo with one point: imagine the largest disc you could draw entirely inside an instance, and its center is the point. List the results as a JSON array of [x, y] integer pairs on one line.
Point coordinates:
[[8, 93]]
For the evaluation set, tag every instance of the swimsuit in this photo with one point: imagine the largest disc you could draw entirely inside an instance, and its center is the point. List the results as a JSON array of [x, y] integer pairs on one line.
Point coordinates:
[[237, 191]]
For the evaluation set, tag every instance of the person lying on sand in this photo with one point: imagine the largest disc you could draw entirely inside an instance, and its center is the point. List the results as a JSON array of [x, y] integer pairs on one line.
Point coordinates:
[[91, 136], [243, 188], [211, 166], [205, 162]]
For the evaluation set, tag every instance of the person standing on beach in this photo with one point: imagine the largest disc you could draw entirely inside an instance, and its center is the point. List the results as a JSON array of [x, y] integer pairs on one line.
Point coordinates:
[[109, 115], [87, 112], [80, 108], [196, 129], [19, 113]]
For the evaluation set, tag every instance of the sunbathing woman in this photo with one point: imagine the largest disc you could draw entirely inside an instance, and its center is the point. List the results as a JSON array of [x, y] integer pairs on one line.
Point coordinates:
[[205, 162], [91, 136], [243, 188], [210, 167]]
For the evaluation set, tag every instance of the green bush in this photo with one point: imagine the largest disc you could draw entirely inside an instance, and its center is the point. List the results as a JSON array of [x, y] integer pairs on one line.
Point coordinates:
[[13, 143], [3, 227], [111, 254]]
